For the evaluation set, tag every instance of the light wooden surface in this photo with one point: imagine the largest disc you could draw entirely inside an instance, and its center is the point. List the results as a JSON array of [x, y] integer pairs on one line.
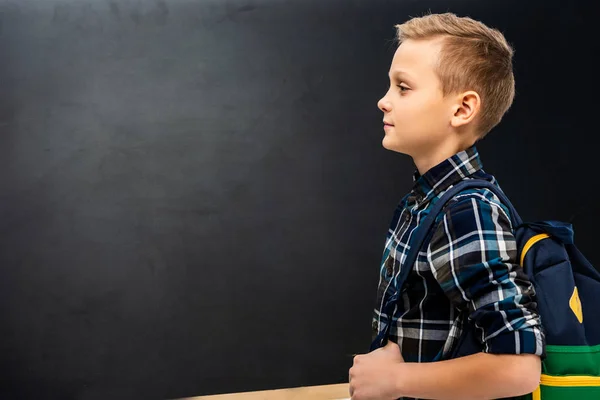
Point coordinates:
[[324, 392]]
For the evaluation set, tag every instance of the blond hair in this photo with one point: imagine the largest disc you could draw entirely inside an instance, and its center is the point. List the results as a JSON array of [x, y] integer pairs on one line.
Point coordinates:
[[473, 57]]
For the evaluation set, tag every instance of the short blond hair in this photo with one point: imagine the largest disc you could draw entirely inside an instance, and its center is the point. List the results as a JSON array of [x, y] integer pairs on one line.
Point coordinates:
[[473, 57]]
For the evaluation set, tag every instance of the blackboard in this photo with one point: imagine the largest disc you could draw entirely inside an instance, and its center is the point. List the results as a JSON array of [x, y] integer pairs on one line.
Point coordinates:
[[194, 195]]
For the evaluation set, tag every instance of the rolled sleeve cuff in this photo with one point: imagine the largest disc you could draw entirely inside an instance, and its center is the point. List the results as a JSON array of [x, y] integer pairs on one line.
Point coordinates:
[[528, 340]]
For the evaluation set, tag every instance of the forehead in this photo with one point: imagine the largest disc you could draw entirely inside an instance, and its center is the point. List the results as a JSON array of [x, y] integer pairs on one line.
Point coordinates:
[[416, 57]]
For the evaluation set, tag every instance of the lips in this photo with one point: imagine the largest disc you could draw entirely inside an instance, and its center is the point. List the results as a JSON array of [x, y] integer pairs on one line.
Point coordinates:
[[387, 124]]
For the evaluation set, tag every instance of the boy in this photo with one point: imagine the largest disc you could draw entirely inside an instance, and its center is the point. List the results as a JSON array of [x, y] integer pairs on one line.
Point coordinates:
[[451, 81]]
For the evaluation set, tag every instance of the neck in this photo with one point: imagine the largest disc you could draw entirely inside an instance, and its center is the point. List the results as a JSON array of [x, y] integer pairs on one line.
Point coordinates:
[[424, 162]]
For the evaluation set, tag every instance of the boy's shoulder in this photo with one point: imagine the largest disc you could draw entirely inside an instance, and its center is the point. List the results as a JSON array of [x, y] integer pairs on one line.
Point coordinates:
[[476, 203]]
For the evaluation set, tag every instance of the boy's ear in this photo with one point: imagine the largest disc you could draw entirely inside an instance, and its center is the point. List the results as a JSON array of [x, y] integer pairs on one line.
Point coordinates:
[[466, 108]]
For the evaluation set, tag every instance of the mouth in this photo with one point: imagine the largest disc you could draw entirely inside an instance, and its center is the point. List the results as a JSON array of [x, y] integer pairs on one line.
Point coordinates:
[[387, 125]]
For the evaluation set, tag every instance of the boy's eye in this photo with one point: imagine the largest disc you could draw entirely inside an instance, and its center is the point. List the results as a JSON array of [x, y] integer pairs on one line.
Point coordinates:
[[403, 88]]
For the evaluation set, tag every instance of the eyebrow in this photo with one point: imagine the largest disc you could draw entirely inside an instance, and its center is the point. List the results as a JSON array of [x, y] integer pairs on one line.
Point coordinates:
[[399, 73]]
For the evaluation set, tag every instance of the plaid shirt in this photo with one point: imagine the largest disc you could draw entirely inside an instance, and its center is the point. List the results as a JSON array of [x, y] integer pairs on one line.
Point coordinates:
[[467, 268]]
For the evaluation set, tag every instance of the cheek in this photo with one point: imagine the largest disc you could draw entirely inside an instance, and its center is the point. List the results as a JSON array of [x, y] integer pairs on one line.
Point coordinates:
[[424, 111], [411, 111], [421, 121]]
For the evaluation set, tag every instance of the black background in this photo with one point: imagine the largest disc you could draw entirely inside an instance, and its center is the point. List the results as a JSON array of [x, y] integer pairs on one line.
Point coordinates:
[[194, 197]]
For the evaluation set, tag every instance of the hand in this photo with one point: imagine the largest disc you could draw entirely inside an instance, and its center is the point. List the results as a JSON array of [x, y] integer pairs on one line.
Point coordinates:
[[374, 376]]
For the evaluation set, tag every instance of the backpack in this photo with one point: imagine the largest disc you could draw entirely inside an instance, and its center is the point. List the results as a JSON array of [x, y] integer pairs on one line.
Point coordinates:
[[567, 293]]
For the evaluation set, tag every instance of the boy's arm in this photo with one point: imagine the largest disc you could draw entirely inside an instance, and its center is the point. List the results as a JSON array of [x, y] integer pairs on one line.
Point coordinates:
[[480, 376], [473, 256]]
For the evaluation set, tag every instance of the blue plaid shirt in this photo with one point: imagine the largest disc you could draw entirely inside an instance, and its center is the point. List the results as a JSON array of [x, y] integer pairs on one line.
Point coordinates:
[[467, 270]]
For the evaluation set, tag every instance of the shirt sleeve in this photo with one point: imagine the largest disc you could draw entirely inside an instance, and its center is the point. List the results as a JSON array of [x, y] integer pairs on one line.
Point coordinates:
[[473, 256]]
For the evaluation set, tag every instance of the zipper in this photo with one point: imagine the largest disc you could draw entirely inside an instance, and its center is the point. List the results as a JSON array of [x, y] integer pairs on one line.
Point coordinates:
[[570, 380], [564, 381], [532, 240]]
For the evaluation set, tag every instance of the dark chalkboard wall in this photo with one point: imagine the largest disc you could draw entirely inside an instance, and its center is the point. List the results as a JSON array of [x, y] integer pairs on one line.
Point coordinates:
[[194, 196]]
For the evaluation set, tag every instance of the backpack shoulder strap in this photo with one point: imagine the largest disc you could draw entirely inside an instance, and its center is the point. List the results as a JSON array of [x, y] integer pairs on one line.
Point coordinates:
[[427, 224]]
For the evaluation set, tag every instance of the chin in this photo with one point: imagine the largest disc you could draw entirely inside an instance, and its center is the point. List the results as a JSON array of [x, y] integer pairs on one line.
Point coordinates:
[[384, 143], [390, 145], [387, 143]]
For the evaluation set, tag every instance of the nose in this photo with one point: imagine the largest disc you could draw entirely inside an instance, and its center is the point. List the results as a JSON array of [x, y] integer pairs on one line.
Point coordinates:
[[384, 105]]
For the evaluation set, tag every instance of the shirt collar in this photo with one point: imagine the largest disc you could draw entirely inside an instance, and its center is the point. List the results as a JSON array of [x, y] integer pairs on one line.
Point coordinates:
[[447, 173]]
